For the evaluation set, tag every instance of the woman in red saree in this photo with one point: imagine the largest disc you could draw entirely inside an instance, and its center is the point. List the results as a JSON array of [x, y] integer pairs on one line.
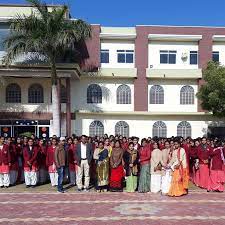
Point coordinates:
[[116, 168], [178, 163]]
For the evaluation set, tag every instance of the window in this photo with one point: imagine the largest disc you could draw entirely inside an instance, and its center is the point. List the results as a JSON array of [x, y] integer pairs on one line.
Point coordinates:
[[104, 56], [35, 94], [159, 129], [193, 57], [216, 56], [13, 93], [96, 128], [187, 95], [63, 94], [3, 34], [122, 128], [184, 129], [168, 57], [123, 94], [156, 95], [94, 94], [125, 56]]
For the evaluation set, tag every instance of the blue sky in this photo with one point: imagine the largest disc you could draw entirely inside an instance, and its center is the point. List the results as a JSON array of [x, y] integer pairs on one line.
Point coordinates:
[[146, 12]]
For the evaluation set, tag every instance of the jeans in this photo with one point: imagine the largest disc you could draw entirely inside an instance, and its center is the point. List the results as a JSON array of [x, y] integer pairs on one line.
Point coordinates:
[[60, 178]]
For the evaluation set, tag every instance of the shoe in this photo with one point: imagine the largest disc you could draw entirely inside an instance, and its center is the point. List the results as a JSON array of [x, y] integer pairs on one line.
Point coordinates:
[[79, 190], [60, 191], [86, 190], [27, 186], [6, 187], [2, 186]]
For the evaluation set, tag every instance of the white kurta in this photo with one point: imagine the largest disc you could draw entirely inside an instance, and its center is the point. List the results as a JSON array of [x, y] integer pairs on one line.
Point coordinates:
[[166, 181], [156, 176], [166, 174]]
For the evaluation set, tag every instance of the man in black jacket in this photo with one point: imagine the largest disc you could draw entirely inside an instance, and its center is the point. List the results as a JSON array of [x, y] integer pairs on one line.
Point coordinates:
[[83, 156]]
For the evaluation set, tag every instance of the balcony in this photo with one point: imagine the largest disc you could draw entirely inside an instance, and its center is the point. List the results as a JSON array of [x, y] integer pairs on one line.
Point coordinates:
[[174, 73]]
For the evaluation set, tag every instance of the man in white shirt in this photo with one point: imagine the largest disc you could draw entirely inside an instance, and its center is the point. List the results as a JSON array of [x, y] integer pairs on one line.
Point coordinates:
[[83, 157]]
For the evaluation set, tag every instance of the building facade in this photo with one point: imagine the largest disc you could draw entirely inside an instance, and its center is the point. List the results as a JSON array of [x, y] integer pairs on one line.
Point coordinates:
[[144, 84]]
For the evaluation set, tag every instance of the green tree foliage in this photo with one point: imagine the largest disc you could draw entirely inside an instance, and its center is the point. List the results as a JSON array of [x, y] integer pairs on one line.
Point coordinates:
[[49, 34], [45, 32], [212, 93]]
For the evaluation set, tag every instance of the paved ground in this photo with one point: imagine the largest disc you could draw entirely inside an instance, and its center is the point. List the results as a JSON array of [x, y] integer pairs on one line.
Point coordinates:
[[46, 208]]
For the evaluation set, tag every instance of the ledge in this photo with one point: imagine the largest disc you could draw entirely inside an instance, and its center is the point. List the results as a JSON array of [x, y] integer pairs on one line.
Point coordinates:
[[174, 37], [174, 73], [112, 73], [142, 113], [219, 38], [120, 33]]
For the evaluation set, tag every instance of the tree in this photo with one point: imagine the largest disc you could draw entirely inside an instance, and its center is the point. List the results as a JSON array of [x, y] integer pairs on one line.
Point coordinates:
[[49, 34], [212, 92]]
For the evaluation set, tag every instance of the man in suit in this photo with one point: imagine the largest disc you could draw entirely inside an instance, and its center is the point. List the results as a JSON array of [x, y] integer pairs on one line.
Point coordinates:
[[83, 157]]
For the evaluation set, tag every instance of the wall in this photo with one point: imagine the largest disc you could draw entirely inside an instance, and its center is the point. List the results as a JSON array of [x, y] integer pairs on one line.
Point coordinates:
[[142, 127], [109, 87], [172, 96], [154, 48], [220, 47], [113, 46], [25, 83]]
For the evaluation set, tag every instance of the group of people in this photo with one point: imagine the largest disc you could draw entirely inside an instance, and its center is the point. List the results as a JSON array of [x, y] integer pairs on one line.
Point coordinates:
[[114, 163]]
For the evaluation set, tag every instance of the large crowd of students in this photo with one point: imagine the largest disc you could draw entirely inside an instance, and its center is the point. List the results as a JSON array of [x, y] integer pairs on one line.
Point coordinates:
[[114, 163]]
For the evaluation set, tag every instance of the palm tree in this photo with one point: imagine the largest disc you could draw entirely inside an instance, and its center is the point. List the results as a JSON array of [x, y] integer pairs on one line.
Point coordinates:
[[49, 34]]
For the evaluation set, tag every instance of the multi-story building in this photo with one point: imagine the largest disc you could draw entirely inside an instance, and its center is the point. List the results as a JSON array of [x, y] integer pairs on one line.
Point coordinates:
[[145, 84]]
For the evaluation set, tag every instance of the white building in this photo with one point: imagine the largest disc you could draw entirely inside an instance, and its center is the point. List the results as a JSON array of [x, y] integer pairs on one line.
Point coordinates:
[[145, 84]]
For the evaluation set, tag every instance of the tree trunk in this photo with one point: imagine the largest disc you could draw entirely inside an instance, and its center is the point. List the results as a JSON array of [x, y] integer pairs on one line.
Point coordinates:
[[55, 103]]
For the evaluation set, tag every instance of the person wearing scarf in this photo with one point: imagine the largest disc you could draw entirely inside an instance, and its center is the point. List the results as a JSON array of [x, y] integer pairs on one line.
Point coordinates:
[[178, 164], [50, 162], [14, 162], [101, 156], [145, 156], [19, 150], [71, 148], [217, 175], [42, 162], [203, 154], [131, 158], [116, 168], [166, 171], [30, 154], [156, 168], [5, 162]]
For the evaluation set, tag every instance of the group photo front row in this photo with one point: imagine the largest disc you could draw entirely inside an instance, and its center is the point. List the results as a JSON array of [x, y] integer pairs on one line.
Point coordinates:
[[114, 163]]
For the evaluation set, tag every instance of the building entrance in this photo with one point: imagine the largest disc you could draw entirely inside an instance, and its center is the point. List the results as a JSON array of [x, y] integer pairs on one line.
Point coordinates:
[[10, 128], [24, 130]]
